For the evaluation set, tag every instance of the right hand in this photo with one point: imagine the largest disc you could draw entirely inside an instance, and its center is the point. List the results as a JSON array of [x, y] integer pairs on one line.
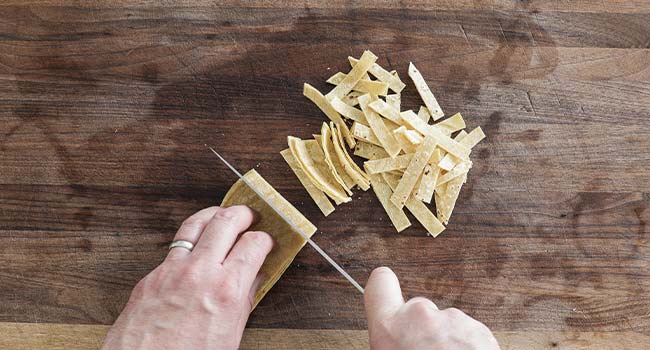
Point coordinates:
[[417, 324]]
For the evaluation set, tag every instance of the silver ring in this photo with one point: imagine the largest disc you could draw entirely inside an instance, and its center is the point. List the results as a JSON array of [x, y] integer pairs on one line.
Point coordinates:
[[181, 244]]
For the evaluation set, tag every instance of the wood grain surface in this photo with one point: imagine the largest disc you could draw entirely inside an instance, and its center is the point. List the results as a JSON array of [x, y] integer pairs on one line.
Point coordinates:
[[29, 336], [105, 108]]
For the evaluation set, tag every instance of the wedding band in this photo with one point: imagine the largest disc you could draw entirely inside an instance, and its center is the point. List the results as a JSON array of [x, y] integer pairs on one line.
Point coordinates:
[[181, 244]]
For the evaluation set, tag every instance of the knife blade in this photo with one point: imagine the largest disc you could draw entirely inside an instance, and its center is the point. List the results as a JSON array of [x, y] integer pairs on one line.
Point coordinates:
[[293, 226]]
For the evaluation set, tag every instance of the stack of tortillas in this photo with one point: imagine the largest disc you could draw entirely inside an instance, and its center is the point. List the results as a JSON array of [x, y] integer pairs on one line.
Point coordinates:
[[413, 159]]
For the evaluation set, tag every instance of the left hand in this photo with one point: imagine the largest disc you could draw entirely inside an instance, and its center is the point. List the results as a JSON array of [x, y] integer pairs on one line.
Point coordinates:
[[199, 299]]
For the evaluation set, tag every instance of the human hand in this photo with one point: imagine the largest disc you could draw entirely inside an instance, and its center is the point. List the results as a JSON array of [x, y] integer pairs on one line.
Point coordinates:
[[417, 324], [200, 299]]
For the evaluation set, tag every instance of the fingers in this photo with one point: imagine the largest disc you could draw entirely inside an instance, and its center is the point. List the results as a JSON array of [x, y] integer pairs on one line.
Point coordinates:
[[383, 295], [257, 283], [190, 231], [423, 301], [221, 232], [247, 256]]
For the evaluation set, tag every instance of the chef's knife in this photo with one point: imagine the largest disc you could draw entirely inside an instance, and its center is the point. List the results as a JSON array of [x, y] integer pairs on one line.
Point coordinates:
[[294, 226]]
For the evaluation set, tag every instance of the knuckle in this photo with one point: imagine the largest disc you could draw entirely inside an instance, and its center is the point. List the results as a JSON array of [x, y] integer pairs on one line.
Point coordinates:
[[191, 221], [259, 239], [228, 215], [422, 308], [454, 313], [229, 293], [191, 275]]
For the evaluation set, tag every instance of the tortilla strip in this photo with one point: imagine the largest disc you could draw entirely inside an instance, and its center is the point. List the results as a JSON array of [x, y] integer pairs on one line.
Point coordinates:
[[388, 164], [287, 241], [423, 113], [445, 142], [461, 135], [408, 139], [451, 124], [387, 111], [446, 199], [352, 78], [383, 193], [422, 214], [371, 87], [310, 156], [340, 168], [425, 93], [364, 133], [413, 136], [404, 141], [317, 195], [328, 148], [393, 81], [459, 170], [351, 99], [336, 79], [377, 125], [369, 151], [348, 111], [394, 100], [347, 180], [449, 165], [429, 178], [365, 85], [469, 140], [413, 171], [317, 98], [349, 166]]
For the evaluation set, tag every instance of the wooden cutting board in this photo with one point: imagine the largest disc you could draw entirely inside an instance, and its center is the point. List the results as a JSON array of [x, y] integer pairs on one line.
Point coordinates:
[[105, 107]]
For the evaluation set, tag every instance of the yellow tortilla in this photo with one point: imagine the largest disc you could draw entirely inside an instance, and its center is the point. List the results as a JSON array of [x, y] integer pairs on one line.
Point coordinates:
[[413, 172], [311, 158], [393, 81], [383, 193], [445, 142], [287, 241], [459, 170], [351, 168], [352, 78], [351, 99], [349, 183], [365, 85], [446, 199], [328, 148], [422, 214], [387, 111], [336, 79], [369, 151], [429, 178], [372, 87], [364, 133], [425, 93], [388, 164], [468, 140], [408, 139], [348, 111], [451, 124], [423, 113], [404, 141], [317, 98], [394, 100], [317, 195], [385, 137]]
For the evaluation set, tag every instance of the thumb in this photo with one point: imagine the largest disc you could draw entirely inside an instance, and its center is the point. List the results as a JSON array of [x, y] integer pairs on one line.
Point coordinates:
[[383, 296]]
